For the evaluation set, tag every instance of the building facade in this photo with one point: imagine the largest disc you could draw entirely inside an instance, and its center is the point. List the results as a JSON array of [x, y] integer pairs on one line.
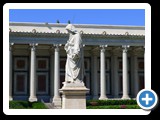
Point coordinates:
[[114, 60]]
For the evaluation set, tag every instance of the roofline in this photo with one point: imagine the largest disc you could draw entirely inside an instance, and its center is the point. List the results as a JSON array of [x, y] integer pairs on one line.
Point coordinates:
[[77, 25]]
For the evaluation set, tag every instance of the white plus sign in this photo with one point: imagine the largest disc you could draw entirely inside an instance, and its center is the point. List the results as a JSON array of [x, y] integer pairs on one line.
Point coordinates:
[[147, 99]]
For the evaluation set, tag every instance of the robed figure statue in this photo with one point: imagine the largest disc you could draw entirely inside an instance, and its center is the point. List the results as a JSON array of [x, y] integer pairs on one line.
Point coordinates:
[[74, 69]]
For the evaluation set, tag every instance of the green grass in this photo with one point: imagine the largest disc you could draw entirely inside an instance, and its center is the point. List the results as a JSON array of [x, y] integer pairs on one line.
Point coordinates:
[[114, 107], [26, 105]]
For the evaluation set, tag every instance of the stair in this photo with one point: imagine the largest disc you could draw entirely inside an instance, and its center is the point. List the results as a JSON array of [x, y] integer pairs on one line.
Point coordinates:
[[49, 105]]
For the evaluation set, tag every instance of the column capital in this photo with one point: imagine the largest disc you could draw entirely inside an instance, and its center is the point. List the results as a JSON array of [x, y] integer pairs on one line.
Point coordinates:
[[11, 46], [33, 46], [56, 46], [125, 48], [102, 47]]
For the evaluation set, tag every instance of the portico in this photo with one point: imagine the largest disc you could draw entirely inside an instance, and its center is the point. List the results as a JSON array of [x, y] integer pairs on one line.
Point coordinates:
[[114, 60]]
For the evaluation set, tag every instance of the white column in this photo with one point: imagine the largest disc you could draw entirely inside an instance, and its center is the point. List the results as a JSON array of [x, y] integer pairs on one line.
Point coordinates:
[[33, 97], [52, 73], [144, 67], [56, 98], [10, 71], [115, 81], [125, 73], [134, 73], [102, 74], [95, 75]]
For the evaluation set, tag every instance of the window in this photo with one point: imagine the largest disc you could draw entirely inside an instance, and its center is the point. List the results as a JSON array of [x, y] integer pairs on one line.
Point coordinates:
[[20, 63], [42, 64], [42, 83], [20, 83], [20, 73]]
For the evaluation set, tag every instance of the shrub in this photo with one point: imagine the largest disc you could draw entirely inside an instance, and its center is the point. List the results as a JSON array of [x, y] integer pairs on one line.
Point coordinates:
[[123, 106], [114, 107], [36, 105], [112, 102], [26, 105]]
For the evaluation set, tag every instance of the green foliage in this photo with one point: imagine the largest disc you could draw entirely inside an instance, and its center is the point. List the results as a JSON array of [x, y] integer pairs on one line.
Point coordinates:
[[38, 105], [111, 102], [26, 105], [69, 22], [114, 107], [57, 21]]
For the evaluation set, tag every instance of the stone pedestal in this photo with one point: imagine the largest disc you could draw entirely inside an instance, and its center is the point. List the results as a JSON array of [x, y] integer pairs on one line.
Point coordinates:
[[74, 95]]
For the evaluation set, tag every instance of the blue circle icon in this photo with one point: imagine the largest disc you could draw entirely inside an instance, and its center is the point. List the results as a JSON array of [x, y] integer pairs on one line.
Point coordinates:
[[147, 99]]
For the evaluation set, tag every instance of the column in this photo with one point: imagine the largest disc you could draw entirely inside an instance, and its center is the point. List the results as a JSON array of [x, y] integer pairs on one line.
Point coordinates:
[[134, 73], [52, 72], [115, 81], [56, 98], [102, 74], [125, 73], [95, 75], [33, 97], [10, 71], [144, 68]]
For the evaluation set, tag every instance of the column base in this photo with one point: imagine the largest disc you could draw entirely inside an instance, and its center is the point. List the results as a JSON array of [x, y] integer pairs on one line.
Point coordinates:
[[10, 98], [32, 99], [103, 98], [125, 97], [57, 102]]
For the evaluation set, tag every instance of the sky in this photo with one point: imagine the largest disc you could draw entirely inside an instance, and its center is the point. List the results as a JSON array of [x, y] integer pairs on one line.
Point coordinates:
[[133, 17]]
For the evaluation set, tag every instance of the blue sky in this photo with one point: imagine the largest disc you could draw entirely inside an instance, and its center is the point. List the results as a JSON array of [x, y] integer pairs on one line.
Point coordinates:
[[135, 17]]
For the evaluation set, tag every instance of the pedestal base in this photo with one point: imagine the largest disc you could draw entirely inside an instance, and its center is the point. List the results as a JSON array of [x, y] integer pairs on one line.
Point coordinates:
[[74, 96]]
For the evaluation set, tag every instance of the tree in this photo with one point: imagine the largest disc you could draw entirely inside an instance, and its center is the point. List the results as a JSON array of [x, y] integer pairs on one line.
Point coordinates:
[[69, 21], [57, 21]]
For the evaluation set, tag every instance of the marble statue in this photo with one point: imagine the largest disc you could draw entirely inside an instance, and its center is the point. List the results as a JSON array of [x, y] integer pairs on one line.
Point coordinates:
[[74, 69]]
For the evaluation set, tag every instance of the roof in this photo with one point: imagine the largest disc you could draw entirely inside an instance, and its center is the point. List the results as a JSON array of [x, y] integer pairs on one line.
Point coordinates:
[[50, 29]]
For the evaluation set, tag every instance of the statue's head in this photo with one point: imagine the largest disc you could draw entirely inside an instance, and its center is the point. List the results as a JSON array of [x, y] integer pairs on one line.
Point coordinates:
[[70, 28]]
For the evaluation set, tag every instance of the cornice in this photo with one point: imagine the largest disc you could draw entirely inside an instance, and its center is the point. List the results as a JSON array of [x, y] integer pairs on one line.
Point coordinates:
[[64, 35]]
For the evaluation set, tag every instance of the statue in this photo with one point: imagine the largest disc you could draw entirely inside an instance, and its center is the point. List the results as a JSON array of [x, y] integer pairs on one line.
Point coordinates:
[[75, 62]]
